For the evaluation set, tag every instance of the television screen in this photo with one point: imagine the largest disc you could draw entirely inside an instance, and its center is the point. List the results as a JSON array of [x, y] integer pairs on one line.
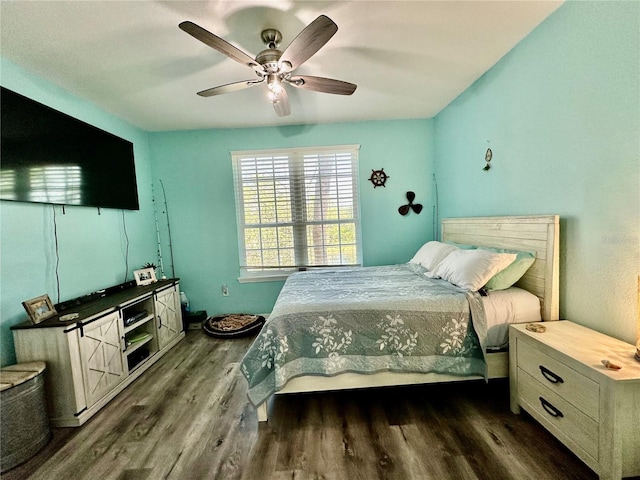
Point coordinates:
[[47, 156]]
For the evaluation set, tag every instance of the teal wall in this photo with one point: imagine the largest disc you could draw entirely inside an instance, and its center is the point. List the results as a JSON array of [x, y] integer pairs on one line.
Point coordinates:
[[195, 169], [562, 113], [91, 246]]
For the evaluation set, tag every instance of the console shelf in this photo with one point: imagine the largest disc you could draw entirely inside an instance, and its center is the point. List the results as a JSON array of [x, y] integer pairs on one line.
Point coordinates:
[[140, 343], [139, 323]]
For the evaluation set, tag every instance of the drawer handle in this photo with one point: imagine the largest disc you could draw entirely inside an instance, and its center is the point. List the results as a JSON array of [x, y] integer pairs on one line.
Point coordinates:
[[551, 410], [549, 375]]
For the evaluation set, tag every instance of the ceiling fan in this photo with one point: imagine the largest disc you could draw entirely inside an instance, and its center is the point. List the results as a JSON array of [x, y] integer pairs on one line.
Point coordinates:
[[274, 66]]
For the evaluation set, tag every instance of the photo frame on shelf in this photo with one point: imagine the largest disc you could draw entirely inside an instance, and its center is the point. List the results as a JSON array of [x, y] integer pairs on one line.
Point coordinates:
[[145, 276], [39, 308]]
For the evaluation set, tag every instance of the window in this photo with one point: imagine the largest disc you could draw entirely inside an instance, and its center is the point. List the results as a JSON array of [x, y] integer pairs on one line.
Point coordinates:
[[297, 208]]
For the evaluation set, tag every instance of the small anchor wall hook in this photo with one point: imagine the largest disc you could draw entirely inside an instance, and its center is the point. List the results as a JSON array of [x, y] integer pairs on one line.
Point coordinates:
[[487, 157], [417, 207]]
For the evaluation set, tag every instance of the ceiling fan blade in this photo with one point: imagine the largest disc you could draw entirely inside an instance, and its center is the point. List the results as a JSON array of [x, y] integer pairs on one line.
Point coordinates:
[[308, 42], [282, 106], [219, 44], [230, 87], [325, 85]]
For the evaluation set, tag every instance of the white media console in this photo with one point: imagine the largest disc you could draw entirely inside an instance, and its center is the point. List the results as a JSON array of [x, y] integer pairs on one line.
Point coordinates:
[[111, 342]]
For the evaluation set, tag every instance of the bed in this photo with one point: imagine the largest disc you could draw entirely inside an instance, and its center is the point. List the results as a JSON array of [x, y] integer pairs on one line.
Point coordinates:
[[326, 313]]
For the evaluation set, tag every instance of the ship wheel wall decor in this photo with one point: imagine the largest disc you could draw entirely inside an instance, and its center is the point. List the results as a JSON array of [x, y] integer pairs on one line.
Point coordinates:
[[416, 207], [378, 178]]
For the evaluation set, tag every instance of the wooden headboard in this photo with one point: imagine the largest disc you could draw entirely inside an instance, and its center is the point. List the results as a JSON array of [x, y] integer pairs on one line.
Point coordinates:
[[531, 233]]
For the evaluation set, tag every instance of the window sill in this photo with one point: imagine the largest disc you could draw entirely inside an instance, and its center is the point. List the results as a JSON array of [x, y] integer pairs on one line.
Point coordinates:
[[264, 278], [282, 276]]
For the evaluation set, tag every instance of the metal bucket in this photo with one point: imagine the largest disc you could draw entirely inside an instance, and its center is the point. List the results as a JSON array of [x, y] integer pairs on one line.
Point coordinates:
[[25, 423]]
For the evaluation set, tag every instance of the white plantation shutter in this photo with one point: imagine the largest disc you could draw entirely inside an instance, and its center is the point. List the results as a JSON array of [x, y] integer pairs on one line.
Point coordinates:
[[297, 208]]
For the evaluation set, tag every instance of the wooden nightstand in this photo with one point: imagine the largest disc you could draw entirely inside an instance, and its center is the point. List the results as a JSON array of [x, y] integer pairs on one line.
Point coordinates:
[[558, 378]]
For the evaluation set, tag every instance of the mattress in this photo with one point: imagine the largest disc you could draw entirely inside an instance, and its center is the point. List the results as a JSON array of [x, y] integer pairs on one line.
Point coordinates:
[[504, 307]]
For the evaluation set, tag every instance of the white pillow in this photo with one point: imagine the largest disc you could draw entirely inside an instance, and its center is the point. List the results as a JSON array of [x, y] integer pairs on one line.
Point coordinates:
[[431, 254], [472, 269]]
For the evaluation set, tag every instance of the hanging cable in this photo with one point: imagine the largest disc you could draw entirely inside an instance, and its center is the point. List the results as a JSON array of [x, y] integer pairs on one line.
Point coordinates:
[[166, 209], [55, 239], [435, 209], [126, 256]]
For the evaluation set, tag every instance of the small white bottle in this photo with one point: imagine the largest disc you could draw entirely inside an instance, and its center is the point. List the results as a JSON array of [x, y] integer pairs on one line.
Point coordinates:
[[184, 301]]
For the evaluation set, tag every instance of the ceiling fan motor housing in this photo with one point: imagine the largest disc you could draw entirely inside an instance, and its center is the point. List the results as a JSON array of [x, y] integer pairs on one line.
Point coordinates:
[[271, 38], [269, 59]]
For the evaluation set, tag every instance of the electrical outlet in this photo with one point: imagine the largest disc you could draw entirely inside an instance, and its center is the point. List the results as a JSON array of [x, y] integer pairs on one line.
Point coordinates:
[[225, 290]]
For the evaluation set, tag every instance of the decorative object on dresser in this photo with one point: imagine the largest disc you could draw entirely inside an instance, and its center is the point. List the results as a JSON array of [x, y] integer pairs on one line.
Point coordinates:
[[112, 340], [153, 266], [145, 276], [39, 308], [560, 379]]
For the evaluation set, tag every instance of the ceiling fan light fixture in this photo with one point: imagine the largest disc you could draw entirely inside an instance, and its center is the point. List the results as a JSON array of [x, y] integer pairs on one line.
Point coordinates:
[[275, 88], [285, 66]]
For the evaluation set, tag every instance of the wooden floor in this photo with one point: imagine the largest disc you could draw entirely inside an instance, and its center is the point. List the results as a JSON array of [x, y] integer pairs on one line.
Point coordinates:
[[188, 418]]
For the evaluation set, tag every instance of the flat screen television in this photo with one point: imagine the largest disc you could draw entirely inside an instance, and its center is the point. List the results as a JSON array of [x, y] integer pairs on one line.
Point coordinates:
[[47, 156]]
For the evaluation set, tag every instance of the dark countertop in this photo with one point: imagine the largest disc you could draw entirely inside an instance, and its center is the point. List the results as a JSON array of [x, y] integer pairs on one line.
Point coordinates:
[[103, 305]]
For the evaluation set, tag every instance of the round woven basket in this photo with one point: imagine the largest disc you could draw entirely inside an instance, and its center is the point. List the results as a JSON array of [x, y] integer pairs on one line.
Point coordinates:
[[233, 325]]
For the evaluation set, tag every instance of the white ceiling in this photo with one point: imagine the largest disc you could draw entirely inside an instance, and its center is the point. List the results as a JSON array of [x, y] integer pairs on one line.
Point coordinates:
[[409, 59]]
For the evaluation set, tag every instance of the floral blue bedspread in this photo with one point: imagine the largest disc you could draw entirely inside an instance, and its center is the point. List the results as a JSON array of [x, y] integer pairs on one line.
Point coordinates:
[[366, 320]]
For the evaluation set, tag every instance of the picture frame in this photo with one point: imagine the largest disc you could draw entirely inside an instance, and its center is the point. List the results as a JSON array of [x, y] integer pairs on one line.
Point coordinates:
[[145, 276], [39, 308]]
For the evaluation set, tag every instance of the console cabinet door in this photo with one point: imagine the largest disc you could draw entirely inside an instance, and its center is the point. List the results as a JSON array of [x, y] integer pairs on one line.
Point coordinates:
[[101, 357], [168, 316]]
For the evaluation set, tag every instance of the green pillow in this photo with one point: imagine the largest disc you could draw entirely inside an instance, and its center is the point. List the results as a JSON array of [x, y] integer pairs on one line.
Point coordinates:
[[462, 246], [514, 272]]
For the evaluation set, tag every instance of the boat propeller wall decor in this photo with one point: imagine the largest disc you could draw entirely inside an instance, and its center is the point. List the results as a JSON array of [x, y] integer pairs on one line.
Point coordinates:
[[416, 207]]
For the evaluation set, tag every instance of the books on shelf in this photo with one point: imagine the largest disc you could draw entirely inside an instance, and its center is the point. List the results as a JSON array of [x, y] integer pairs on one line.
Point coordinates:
[[137, 337]]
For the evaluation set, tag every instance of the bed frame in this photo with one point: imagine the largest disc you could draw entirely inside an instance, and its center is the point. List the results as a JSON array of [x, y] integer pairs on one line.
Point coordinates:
[[534, 233]]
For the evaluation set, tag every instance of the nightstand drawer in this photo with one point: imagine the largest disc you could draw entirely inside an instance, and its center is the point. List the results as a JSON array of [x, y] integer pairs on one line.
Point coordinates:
[[559, 416], [572, 386]]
